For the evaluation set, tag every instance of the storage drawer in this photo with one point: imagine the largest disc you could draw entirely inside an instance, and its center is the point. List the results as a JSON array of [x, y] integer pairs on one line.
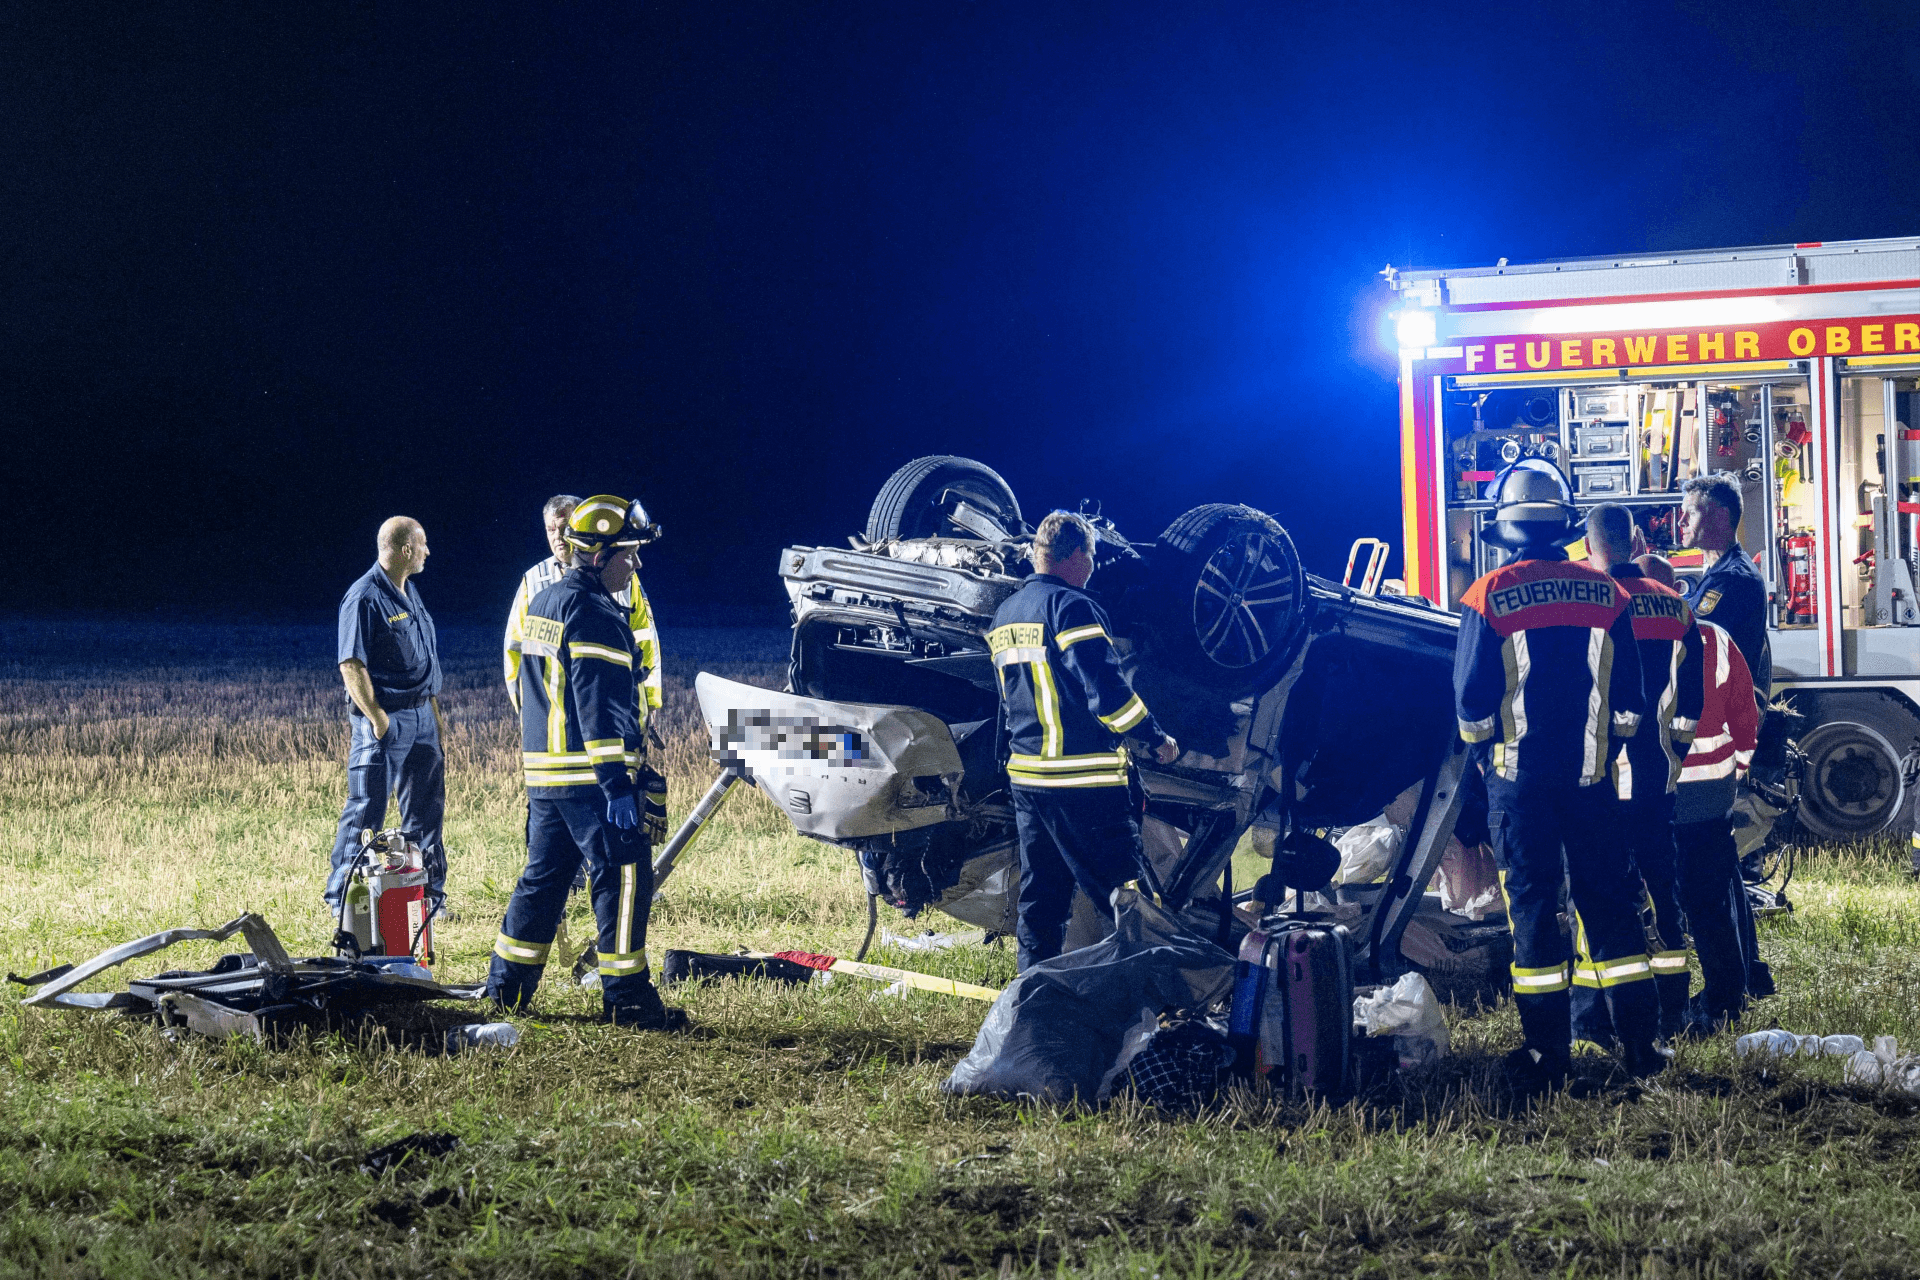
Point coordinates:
[[1607, 441], [1600, 404], [1601, 480]]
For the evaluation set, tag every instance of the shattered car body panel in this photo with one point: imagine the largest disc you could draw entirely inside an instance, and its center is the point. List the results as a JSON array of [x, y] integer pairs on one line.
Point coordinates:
[[249, 995], [1299, 703]]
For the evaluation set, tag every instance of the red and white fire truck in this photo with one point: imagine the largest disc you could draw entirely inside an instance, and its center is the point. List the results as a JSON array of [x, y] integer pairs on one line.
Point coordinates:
[[1794, 367]]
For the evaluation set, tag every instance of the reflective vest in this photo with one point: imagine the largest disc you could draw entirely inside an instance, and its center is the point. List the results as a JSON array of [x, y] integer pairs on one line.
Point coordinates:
[[1670, 648], [1729, 714], [631, 598], [1067, 702], [580, 726], [1547, 668]]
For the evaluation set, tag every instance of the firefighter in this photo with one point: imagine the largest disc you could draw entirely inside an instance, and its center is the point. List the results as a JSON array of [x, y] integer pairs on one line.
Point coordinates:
[[632, 598], [1648, 769], [1067, 707], [1711, 891], [581, 743], [1548, 672]]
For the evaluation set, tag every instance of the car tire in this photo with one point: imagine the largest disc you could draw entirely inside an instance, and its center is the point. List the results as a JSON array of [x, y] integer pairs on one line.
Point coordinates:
[[1854, 747], [917, 499], [1228, 598]]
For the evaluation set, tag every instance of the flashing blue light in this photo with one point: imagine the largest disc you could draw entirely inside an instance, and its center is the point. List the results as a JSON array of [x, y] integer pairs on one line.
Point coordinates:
[[1415, 328]]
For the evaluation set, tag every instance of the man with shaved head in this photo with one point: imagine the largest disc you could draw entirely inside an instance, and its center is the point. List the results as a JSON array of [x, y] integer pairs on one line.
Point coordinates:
[[390, 661]]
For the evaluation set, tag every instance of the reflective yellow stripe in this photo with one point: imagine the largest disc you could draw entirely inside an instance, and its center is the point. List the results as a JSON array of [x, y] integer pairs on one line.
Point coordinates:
[[521, 952], [585, 649], [1046, 705], [623, 965], [1097, 760], [1586, 974], [556, 707], [1669, 962], [1067, 639], [1072, 780], [561, 777], [1129, 715], [1476, 730], [603, 749]]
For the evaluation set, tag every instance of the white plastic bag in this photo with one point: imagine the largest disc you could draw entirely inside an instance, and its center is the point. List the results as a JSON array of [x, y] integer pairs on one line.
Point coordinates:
[[1367, 851], [1410, 1013], [1766, 1044], [1468, 882]]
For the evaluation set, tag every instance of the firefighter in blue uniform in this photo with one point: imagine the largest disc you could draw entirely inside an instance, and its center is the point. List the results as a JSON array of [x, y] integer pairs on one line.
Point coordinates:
[[580, 737], [1547, 671], [1067, 706], [1731, 594], [389, 656], [1647, 772]]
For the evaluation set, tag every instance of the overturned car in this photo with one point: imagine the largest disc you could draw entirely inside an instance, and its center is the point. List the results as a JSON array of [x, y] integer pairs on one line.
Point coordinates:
[[1301, 704]]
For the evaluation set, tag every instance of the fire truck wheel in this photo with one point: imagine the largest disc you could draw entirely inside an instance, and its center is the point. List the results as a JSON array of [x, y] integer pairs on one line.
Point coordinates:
[[1853, 784], [1228, 598], [917, 500]]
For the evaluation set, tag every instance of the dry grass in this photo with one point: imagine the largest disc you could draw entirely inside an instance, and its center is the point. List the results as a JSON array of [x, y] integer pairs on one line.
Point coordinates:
[[151, 777]]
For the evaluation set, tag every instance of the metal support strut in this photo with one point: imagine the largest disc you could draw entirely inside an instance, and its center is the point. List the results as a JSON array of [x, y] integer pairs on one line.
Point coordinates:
[[708, 806]]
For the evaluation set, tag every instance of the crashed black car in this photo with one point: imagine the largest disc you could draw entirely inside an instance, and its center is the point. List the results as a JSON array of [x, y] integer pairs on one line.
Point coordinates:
[[1302, 704]]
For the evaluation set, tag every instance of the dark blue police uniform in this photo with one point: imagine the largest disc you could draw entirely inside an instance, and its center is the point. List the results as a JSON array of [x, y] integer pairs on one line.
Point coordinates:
[[391, 633], [1733, 595]]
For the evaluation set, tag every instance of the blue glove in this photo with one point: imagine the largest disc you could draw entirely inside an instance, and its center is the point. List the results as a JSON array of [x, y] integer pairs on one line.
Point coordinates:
[[624, 812]]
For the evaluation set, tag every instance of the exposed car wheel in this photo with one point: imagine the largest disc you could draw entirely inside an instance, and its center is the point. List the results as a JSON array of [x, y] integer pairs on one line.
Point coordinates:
[[917, 500], [1853, 784], [1228, 597]]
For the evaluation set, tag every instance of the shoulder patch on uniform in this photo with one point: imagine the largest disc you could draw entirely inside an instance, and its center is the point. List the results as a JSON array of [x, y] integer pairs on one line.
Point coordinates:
[[541, 636], [1709, 600]]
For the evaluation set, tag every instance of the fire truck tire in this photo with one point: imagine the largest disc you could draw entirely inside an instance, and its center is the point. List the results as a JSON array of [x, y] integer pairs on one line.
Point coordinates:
[[917, 499], [1854, 746], [1228, 598]]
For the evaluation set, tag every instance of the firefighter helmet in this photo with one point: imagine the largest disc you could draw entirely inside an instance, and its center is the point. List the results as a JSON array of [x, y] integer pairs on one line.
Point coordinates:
[[604, 521], [1532, 505]]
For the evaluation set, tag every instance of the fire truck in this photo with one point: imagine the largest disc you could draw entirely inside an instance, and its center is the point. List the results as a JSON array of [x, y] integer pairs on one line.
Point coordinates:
[[1795, 368]]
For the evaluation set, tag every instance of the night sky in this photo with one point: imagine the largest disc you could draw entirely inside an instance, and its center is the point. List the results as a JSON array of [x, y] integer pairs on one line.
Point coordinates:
[[272, 273]]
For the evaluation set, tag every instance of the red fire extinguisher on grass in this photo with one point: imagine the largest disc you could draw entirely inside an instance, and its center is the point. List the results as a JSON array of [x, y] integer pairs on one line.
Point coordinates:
[[1797, 572], [384, 912]]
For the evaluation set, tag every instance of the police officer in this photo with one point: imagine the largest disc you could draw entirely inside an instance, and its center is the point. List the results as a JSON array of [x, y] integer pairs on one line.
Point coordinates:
[[1733, 595], [1548, 672], [1647, 771], [1067, 706], [390, 661], [646, 642], [581, 742]]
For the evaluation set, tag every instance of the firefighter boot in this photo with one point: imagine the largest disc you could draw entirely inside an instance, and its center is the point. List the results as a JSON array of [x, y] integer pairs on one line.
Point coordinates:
[[1546, 1026], [642, 1009], [1636, 1017]]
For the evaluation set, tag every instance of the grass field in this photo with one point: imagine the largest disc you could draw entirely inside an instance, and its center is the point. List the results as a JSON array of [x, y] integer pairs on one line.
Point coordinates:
[[155, 776]]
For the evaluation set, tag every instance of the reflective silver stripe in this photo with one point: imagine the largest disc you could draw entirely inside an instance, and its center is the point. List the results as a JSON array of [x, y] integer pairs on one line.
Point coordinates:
[[623, 934], [1552, 979], [1707, 772], [1669, 961], [1024, 653], [561, 778], [1071, 780], [1519, 667], [1067, 639], [550, 759], [587, 649], [624, 965], [1104, 759], [1127, 716], [521, 952], [1476, 730], [1614, 972]]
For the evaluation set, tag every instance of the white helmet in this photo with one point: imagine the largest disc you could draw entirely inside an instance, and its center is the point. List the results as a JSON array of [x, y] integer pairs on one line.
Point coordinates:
[[1532, 504]]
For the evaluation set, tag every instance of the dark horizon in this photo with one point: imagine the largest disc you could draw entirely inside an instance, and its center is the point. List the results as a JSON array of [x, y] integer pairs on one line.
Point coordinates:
[[275, 276]]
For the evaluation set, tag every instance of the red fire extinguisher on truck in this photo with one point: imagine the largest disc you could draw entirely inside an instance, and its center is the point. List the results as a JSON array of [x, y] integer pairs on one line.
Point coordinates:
[[384, 912], [1797, 575]]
